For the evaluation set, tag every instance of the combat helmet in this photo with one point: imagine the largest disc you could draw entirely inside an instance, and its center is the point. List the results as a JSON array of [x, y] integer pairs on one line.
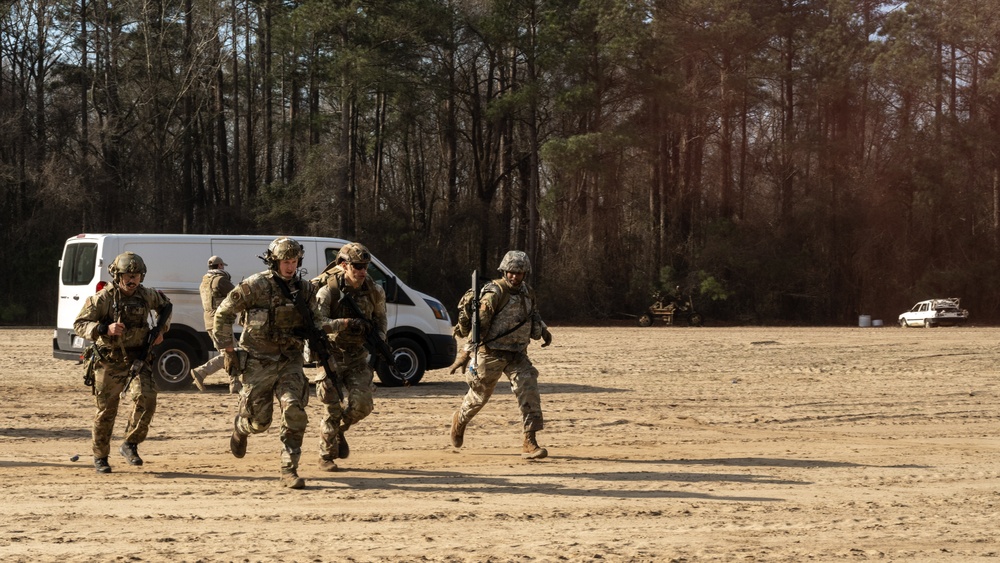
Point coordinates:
[[127, 263], [282, 248], [515, 261], [354, 253]]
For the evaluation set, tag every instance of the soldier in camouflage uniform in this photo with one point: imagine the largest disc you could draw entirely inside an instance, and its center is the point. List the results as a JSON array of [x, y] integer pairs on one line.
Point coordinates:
[[116, 319], [349, 276], [509, 319], [270, 358], [215, 286]]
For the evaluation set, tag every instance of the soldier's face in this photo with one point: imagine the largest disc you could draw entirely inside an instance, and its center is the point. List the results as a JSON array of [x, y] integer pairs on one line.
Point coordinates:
[[355, 273], [514, 278], [130, 282], [287, 268]]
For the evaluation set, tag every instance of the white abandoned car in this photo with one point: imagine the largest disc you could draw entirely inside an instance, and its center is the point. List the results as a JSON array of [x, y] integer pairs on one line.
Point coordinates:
[[935, 312]]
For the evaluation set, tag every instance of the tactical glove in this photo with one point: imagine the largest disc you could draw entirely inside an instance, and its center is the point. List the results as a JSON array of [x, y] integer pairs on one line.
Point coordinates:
[[354, 326], [546, 337], [231, 363], [461, 362]]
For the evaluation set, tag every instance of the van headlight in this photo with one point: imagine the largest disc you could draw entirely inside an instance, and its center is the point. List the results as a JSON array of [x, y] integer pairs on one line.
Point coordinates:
[[440, 312]]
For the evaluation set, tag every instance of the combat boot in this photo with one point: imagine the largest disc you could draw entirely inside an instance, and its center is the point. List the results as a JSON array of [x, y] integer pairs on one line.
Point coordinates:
[[131, 453], [457, 431], [238, 441], [343, 450], [101, 465], [290, 478], [531, 448], [199, 378], [327, 464]]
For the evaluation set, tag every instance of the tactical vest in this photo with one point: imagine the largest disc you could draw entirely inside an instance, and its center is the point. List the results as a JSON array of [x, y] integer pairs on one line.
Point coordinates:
[[270, 321], [517, 310]]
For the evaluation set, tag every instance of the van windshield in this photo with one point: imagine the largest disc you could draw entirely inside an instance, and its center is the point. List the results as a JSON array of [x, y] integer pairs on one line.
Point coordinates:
[[78, 263]]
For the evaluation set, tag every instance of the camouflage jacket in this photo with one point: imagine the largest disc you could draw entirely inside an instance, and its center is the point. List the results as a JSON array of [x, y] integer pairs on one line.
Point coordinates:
[[497, 318], [370, 298], [215, 286], [272, 327], [111, 305]]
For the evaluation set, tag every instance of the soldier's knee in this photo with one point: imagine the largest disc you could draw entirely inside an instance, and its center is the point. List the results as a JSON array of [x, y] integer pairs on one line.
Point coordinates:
[[295, 417]]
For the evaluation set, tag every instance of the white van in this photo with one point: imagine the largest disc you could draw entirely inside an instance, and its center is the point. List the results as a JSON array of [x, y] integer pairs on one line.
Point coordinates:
[[419, 328]]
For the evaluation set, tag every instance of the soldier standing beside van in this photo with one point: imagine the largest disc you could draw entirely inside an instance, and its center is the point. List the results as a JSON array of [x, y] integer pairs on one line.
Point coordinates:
[[215, 286], [116, 320], [509, 320], [274, 307], [348, 280]]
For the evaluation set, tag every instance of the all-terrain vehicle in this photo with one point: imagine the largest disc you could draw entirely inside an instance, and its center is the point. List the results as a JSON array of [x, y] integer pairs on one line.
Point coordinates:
[[671, 310]]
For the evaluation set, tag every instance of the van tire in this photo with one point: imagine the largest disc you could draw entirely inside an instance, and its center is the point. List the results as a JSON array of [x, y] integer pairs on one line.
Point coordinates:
[[413, 358], [172, 365]]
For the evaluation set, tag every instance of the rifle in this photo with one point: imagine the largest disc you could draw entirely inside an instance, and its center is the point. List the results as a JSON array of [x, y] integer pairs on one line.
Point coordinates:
[[145, 354], [375, 343], [474, 331], [316, 338]]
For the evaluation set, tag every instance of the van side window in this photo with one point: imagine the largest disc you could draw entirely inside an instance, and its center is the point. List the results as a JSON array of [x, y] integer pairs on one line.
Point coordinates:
[[79, 263]]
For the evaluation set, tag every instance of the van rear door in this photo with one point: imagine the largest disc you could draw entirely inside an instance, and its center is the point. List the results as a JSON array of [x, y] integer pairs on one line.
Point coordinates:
[[79, 278]]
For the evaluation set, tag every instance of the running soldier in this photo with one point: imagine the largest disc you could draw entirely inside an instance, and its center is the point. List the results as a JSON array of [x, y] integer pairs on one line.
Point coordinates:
[[116, 320], [215, 286], [274, 308], [509, 320], [348, 280]]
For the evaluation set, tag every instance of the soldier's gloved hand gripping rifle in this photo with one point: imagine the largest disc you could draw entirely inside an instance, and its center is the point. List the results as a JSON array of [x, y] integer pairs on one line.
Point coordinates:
[[145, 355], [375, 343]]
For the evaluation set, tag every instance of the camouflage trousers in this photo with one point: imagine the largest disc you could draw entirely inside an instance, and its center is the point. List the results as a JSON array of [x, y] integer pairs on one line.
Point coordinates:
[[523, 382], [284, 380], [356, 376], [109, 381]]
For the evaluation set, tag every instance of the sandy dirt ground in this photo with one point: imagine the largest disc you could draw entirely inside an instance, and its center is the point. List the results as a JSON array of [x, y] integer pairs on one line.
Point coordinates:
[[666, 444]]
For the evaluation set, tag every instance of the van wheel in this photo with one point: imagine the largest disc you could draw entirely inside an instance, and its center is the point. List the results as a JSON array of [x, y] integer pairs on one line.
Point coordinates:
[[172, 365], [411, 360]]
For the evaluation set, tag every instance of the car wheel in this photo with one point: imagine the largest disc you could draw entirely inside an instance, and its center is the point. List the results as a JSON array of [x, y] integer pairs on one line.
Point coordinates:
[[172, 365], [645, 319], [928, 324], [410, 358], [902, 323]]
